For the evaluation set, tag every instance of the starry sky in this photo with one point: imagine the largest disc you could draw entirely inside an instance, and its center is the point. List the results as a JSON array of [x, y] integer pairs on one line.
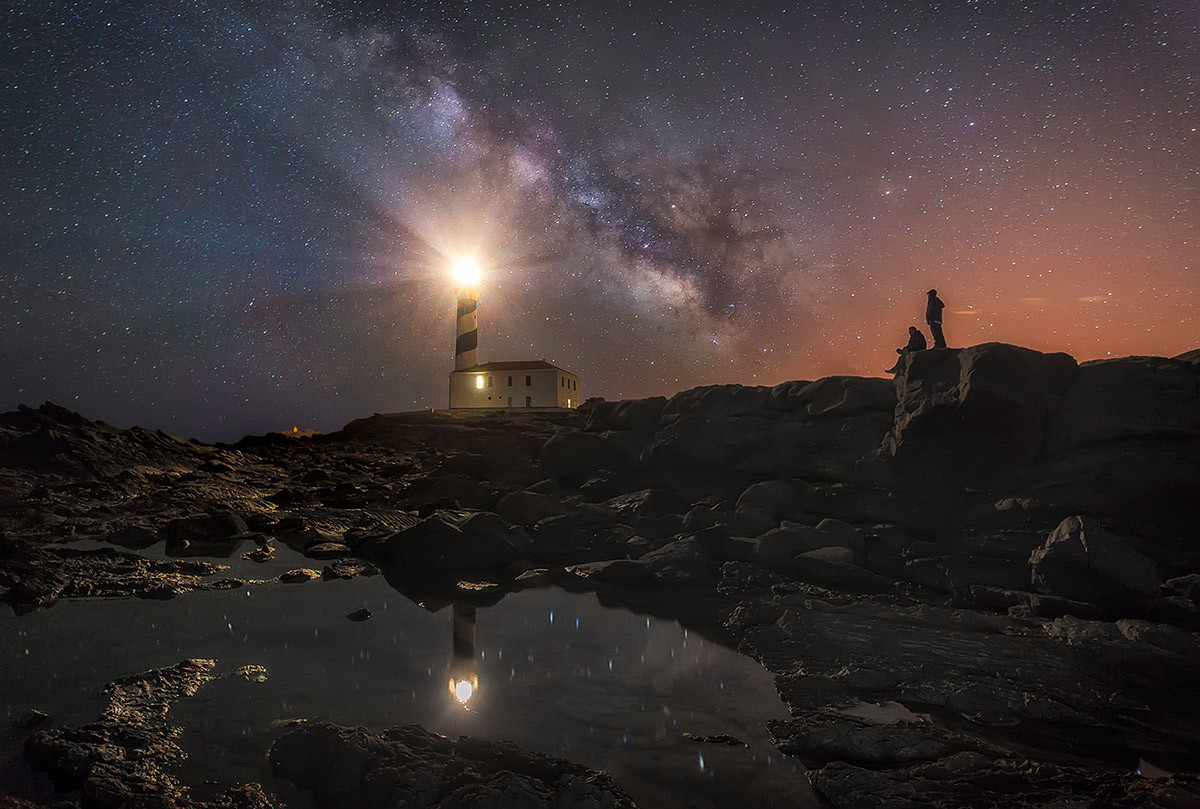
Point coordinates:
[[220, 218]]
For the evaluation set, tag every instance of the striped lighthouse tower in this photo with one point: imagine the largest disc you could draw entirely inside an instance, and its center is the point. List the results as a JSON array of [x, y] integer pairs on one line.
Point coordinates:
[[466, 344]]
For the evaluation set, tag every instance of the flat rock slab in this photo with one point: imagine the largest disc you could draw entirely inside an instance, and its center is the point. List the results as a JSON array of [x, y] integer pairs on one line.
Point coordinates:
[[409, 766]]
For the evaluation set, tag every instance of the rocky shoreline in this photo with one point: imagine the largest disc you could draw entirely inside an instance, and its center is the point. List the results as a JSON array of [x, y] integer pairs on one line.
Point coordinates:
[[976, 585]]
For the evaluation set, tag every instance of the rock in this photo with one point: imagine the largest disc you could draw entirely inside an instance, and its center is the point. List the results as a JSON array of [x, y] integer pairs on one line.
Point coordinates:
[[778, 498], [820, 737], [1084, 562], [974, 413], [702, 516], [260, 554], [252, 672], [135, 537], [1125, 399], [534, 577], [547, 486], [634, 415], [1187, 587], [204, 528], [124, 758], [833, 555], [348, 568], [359, 615], [970, 779], [570, 456], [752, 521], [682, 561], [482, 541], [835, 566], [307, 537], [1025, 604], [648, 504], [36, 576], [717, 543], [528, 508], [32, 719], [613, 571], [408, 766], [327, 550], [299, 575], [779, 545], [844, 534], [722, 738]]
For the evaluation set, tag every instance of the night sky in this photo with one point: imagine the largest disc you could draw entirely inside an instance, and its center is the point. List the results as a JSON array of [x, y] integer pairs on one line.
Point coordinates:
[[224, 218]]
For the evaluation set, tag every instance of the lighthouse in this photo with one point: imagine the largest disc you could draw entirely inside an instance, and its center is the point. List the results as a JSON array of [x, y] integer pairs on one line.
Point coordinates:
[[466, 342], [499, 385]]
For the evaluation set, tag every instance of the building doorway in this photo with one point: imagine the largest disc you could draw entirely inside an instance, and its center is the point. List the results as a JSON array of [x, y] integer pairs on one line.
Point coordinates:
[[529, 401]]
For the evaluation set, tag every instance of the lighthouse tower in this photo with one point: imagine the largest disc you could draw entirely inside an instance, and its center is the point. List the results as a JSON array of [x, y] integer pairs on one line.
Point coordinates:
[[466, 343]]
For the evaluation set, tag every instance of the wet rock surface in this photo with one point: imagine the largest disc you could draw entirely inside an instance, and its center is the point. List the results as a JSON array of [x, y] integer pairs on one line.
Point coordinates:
[[409, 766], [122, 759], [977, 583]]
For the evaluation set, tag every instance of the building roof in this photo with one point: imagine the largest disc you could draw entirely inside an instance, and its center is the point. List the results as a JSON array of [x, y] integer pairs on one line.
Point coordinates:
[[523, 365]]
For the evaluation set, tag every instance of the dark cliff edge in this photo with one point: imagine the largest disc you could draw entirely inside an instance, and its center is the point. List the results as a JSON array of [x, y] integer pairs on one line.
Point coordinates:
[[977, 583]]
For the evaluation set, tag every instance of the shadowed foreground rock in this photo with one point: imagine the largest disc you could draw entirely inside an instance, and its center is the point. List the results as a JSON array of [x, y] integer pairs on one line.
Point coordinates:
[[121, 760], [978, 584], [411, 767]]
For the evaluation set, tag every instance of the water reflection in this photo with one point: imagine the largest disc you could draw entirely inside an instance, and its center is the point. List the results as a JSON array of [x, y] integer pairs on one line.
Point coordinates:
[[464, 673], [550, 670]]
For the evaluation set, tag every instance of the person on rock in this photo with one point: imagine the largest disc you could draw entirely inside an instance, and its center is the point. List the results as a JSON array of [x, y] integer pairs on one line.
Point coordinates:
[[933, 316], [916, 342]]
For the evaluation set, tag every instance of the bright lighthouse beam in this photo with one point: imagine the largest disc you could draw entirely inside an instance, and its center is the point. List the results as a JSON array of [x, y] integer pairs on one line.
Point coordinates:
[[466, 272]]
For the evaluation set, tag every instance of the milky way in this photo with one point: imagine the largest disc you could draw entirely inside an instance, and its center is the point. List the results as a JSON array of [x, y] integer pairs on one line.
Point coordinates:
[[230, 218]]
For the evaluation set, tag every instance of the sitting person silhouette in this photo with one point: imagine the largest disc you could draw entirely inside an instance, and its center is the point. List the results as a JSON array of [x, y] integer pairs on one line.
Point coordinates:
[[916, 342]]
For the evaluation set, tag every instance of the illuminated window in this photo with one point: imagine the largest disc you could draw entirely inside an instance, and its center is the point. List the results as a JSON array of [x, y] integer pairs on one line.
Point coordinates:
[[568, 402], [479, 382]]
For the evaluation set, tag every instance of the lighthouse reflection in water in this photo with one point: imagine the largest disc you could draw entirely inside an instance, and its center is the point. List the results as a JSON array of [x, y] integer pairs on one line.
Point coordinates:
[[464, 674]]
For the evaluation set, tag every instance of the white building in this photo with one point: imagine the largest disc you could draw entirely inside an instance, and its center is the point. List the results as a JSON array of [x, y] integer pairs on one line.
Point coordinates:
[[533, 383]]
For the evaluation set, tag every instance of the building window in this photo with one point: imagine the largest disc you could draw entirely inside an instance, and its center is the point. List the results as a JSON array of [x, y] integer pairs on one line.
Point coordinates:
[[568, 402], [574, 384], [479, 382], [528, 399], [490, 381], [562, 381], [510, 381], [528, 380]]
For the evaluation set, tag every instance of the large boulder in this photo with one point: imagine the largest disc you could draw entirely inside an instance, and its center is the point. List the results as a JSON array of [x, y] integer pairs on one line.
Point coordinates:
[[437, 544], [779, 546], [1127, 398], [682, 561], [204, 527], [841, 397], [636, 415], [529, 508], [779, 498], [571, 456], [971, 413], [1084, 562], [812, 430]]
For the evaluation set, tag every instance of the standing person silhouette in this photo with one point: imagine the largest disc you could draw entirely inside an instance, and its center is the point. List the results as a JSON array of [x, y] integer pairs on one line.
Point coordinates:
[[933, 316]]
